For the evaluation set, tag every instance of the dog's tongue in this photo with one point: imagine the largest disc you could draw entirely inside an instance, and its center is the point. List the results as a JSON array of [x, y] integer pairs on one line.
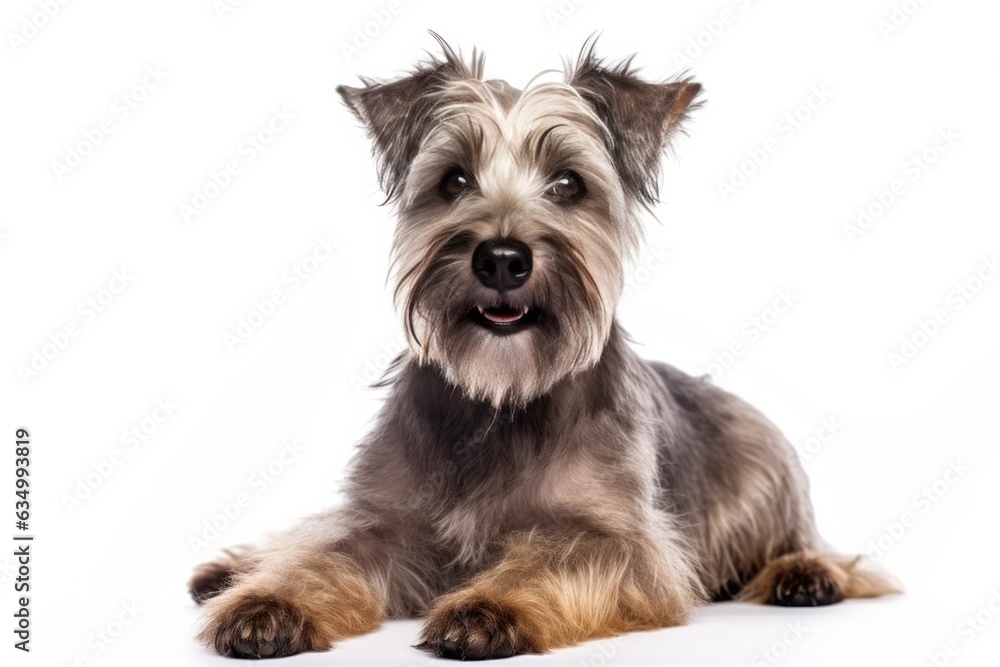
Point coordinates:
[[502, 315]]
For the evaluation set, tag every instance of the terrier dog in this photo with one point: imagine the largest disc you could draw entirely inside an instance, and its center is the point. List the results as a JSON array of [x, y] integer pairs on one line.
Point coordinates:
[[531, 483]]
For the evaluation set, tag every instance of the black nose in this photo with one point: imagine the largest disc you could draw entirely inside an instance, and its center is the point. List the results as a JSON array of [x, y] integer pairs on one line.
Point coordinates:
[[502, 264]]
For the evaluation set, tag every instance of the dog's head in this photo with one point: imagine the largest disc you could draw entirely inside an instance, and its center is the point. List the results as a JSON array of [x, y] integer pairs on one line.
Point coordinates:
[[517, 211]]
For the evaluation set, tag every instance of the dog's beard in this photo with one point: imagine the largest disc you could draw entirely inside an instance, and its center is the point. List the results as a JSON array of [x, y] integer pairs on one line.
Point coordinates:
[[507, 348]]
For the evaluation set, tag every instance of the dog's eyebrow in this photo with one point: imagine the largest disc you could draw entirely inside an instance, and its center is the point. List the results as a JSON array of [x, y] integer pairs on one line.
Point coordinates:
[[534, 143], [457, 141]]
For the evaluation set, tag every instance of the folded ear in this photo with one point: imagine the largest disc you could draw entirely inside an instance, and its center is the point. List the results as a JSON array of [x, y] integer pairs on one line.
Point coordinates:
[[641, 117], [399, 113]]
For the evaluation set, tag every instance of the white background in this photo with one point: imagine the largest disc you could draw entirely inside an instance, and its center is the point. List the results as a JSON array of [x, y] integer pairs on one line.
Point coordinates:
[[898, 430]]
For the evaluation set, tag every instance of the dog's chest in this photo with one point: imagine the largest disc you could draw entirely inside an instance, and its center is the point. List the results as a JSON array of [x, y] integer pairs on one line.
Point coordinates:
[[482, 515], [488, 484], [541, 491]]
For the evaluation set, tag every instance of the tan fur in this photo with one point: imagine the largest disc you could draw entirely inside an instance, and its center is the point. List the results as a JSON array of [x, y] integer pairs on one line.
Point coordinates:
[[307, 601], [559, 593], [209, 579], [864, 579], [851, 576]]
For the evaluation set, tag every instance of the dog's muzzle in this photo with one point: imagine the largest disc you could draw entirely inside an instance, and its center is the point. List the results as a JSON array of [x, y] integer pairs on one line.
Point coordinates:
[[503, 265]]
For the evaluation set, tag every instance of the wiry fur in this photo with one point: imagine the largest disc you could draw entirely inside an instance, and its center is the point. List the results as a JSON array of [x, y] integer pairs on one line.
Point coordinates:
[[538, 489]]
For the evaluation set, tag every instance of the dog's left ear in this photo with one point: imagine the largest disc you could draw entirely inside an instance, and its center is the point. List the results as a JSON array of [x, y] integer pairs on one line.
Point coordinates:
[[641, 117]]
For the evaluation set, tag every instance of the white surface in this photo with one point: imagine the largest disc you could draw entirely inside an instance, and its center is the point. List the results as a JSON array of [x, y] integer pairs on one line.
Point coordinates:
[[163, 336]]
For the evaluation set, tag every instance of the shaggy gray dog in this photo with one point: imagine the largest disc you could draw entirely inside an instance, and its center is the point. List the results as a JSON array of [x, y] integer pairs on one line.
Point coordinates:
[[531, 483]]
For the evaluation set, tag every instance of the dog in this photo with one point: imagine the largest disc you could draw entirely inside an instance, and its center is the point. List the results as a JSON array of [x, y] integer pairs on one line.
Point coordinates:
[[531, 483]]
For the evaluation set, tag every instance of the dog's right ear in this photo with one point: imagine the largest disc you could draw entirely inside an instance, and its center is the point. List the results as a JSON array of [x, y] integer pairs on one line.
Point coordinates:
[[398, 114]]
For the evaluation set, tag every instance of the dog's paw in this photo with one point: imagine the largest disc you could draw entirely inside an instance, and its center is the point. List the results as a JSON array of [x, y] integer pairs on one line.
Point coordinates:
[[258, 627], [475, 630], [805, 583]]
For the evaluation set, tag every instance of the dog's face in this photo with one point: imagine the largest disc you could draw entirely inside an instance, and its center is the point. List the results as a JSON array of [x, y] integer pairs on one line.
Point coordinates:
[[517, 211]]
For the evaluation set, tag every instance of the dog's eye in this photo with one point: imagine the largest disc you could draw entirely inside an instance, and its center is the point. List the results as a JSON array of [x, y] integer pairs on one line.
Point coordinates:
[[568, 185], [454, 183]]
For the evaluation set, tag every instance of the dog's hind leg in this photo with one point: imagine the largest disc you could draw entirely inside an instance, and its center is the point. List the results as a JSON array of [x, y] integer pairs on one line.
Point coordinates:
[[806, 579]]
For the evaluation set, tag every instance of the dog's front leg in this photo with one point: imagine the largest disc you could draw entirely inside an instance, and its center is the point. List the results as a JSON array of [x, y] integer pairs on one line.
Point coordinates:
[[302, 593], [552, 590]]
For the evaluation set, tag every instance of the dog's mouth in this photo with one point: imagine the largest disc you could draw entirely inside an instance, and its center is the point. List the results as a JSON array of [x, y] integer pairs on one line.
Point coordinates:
[[505, 318]]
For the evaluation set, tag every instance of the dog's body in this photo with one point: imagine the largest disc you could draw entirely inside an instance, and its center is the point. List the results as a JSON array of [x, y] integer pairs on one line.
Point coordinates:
[[530, 483]]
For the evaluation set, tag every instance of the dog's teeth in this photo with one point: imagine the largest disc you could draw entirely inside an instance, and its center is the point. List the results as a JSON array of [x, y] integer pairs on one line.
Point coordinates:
[[524, 311], [480, 309]]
